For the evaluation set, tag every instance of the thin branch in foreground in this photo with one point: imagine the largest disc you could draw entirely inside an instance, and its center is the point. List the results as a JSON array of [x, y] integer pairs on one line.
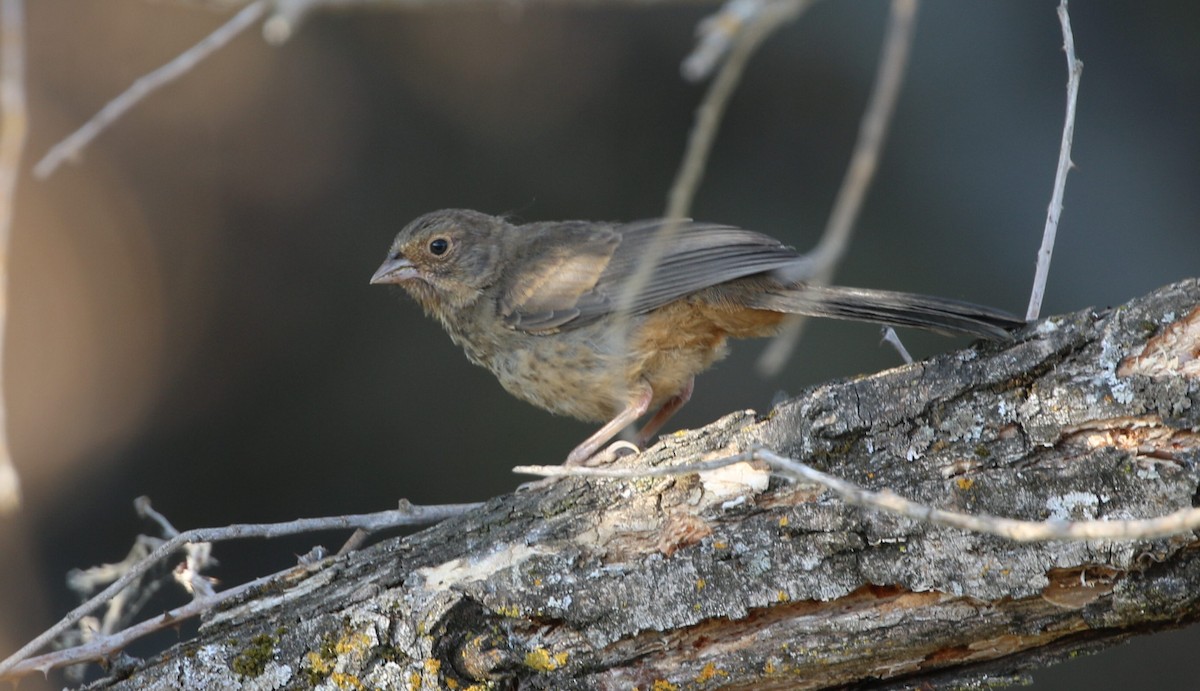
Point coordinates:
[[708, 121], [101, 647], [71, 147], [890, 338], [864, 161], [407, 515], [286, 19], [756, 29], [715, 34], [1074, 70], [1176, 523], [12, 141], [121, 609]]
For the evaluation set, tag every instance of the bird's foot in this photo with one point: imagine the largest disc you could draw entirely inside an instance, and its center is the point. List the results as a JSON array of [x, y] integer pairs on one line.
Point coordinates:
[[604, 457]]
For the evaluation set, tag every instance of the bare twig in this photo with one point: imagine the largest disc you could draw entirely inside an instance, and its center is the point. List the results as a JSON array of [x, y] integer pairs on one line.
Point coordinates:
[[872, 133], [406, 515], [101, 647], [1074, 70], [125, 605], [754, 31], [1176, 523], [890, 337], [12, 141], [71, 147], [286, 19], [715, 34], [145, 510]]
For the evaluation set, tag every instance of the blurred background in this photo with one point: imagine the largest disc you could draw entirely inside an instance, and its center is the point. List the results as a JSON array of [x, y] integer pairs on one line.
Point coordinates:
[[190, 314]]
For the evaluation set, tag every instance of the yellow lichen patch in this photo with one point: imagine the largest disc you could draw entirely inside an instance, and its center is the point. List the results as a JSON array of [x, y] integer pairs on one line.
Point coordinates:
[[540, 660], [432, 666], [700, 583], [346, 681], [510, 611], [355, 643], [414, 680], [663, 685], [782, 596], [710, 672], [783, 522], [318, 664], [964, 483]]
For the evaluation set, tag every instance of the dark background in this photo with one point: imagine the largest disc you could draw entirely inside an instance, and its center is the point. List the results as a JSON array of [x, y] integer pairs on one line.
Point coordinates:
[[190, 314]]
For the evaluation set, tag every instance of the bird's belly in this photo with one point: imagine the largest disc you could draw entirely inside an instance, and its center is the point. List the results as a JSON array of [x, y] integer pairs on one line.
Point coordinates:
[[592, 373], [567, 376]]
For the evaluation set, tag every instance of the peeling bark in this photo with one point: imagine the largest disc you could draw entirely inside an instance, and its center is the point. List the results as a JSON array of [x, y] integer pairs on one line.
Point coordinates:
[[732, 582]]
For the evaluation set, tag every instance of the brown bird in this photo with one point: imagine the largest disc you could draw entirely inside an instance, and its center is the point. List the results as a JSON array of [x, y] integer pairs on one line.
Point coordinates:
[[543, 306]]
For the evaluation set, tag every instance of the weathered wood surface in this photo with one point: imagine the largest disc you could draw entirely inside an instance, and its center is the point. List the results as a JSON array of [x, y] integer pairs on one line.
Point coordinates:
[[699, 583]]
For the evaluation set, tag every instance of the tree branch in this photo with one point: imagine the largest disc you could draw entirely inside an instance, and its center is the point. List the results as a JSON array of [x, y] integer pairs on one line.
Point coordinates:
[[731, 579], [1050, 231]]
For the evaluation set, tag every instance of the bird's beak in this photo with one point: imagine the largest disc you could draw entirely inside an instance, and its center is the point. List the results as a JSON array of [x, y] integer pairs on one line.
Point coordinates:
[[395, 270]]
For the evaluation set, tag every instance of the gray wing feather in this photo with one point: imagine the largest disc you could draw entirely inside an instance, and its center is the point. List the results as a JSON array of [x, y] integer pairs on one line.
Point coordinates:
[[699, 256]]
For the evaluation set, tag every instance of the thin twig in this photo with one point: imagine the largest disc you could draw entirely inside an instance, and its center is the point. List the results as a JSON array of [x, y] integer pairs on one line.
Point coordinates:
[[712, 109], [12, 142], [103, 646], [1176, 523], [755, 30], [708, 121], [864, 161], [121, 609], [890, 337], [286, 19], [1074, 70], [406, 515], [714, 36], [143, 508], [71, 147]]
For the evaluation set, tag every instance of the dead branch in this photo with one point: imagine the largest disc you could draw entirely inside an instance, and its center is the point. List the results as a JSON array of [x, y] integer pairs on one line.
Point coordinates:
[[731, 580]]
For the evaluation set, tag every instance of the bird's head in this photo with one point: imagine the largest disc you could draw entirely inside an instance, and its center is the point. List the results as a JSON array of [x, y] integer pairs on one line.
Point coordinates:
[[445, 259]]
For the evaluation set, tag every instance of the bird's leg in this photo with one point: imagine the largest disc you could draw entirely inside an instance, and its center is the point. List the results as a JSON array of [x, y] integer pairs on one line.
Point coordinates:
[[665, 413], [637, 407]]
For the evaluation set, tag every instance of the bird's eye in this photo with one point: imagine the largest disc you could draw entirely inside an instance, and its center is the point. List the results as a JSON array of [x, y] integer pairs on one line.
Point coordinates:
[[438, 246]]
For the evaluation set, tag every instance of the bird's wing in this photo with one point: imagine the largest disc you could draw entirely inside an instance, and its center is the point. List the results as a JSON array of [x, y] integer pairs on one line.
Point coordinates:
[[554, 266], [577, 281]]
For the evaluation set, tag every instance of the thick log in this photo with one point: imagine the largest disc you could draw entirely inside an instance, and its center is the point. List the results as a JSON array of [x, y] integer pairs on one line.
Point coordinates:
[[729, 581]]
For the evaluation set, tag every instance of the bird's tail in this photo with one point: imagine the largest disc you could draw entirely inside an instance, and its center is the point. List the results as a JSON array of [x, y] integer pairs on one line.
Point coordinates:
[[891, 308]]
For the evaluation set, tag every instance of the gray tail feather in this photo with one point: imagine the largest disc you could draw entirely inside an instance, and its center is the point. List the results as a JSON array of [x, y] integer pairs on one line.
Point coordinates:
[[891, 308]]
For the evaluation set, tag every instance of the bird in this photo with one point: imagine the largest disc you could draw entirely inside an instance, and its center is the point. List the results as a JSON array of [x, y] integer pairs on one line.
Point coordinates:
[[548, 307]]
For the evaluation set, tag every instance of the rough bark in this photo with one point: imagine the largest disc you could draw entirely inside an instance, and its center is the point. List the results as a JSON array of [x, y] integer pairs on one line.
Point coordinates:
[[701, 583]]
